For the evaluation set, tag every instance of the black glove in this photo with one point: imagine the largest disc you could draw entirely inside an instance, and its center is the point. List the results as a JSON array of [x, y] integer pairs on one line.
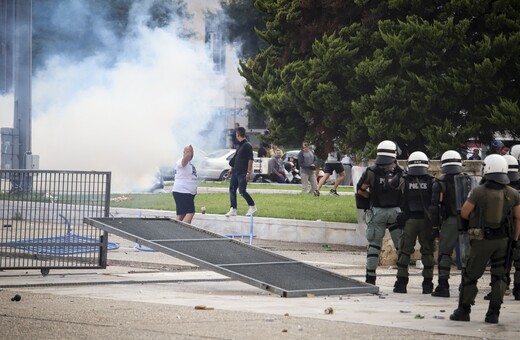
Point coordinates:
[[401, 220], [463, 224], [435, 215]]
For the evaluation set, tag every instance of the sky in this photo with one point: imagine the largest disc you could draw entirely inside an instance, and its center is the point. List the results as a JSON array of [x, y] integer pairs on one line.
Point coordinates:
[[129, 116]]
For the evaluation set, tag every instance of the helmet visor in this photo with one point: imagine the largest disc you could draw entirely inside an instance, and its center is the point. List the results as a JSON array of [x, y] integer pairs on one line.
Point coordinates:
[[451, 169], [418, 171], [497, 177], [384, 160], [513, 176]]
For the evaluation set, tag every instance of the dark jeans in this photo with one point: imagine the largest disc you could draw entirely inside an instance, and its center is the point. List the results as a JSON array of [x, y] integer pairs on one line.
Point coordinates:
[[278, 179], [238, 181]]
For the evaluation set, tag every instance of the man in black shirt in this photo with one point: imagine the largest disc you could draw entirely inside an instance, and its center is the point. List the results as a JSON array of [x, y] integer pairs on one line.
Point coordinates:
[[239, 173]]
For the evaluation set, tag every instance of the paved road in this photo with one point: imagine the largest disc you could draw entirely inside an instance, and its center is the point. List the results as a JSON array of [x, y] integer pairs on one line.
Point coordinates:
[[145, 295]]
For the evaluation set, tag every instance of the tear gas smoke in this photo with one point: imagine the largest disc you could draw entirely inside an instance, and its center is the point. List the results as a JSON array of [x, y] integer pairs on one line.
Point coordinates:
[[129, 116], [6, 106]]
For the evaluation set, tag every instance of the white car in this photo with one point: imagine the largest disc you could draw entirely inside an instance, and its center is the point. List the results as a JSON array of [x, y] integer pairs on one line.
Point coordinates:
[[216, 165]]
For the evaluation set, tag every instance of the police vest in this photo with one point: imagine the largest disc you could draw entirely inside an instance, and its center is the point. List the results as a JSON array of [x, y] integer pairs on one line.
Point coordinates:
[[418, 192], [449, 200], [493, 210], [382, 195]]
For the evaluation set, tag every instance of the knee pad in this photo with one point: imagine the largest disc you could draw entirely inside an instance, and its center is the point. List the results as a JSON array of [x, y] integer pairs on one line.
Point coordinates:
[[374, 246]]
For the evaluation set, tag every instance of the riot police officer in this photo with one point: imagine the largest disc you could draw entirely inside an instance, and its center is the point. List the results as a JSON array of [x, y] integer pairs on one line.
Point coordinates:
[[444, 214], [485, 213], [514, 182], [374, 185], [416, 187]]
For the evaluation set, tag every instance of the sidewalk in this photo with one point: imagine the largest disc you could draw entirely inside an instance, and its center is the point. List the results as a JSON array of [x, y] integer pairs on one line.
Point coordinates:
[[152, 295]]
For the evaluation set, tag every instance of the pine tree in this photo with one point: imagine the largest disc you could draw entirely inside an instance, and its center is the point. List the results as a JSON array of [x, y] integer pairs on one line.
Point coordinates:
[[428, 75]]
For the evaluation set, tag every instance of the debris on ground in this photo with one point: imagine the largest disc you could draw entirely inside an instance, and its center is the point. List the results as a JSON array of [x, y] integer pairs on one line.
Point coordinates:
[[119, 199]]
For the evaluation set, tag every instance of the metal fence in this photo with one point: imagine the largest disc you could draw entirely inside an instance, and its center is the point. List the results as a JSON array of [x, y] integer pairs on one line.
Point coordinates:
[[41, 219]]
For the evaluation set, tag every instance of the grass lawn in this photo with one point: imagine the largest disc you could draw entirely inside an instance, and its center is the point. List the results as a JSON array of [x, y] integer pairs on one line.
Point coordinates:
[[279, 205]]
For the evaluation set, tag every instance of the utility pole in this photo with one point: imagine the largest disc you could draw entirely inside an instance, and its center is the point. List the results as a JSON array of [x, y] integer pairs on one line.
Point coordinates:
[[22, 78], [6, 45], [16, 64]]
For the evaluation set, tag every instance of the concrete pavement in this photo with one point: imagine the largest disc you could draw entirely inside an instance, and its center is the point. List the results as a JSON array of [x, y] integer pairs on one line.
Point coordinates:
[[152, 295]]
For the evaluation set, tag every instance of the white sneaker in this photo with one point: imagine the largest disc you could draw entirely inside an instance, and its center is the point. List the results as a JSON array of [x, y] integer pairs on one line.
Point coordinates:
[[231, 212], [251, 210]]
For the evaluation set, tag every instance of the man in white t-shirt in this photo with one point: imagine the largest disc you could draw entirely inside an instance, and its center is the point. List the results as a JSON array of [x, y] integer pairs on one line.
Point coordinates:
[[346, 161], [185, 186]]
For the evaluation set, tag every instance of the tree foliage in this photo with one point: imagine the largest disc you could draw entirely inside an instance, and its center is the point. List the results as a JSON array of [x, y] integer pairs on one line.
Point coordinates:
[[243, 19], [428, 75]]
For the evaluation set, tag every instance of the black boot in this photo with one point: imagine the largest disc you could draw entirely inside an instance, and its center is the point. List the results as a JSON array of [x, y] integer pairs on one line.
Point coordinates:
[[461, 313], [427, 286], [370, 279], [400, 285], [492, 313], [516, 291], [443, 289]]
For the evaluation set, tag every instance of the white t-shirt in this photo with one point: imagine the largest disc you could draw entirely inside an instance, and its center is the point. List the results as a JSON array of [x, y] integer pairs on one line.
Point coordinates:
[[185, 178], [332, 157], [346, 160]]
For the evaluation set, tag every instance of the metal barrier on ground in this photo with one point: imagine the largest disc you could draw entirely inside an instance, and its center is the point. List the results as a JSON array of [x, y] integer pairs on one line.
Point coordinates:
[[41, 219], [241, 235]]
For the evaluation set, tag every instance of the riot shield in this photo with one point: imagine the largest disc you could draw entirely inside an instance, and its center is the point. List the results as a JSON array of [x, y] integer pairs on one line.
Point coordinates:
[[362, 203], [357, 172], [463, 186]]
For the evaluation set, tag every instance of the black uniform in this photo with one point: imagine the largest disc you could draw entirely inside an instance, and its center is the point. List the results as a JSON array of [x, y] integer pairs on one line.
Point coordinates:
[[444, 215], [416, 224]]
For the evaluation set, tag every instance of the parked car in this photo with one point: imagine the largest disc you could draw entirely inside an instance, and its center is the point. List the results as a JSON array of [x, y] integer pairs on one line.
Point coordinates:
[[216, 164], [155, 184], [167, 173]]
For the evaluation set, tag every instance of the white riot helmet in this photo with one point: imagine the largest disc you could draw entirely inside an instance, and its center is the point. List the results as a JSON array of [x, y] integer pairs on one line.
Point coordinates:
[[418, 163], [386, 152], [451, 162], [515, 151], [495, 169], [512, 168]]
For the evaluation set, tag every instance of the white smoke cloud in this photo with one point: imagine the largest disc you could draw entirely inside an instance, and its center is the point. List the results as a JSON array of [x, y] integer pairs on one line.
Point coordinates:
[[130, 117], [6, 111]]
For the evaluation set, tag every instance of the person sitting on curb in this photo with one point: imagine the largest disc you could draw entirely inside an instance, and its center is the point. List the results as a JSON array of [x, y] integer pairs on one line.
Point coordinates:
[[276, 168]]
